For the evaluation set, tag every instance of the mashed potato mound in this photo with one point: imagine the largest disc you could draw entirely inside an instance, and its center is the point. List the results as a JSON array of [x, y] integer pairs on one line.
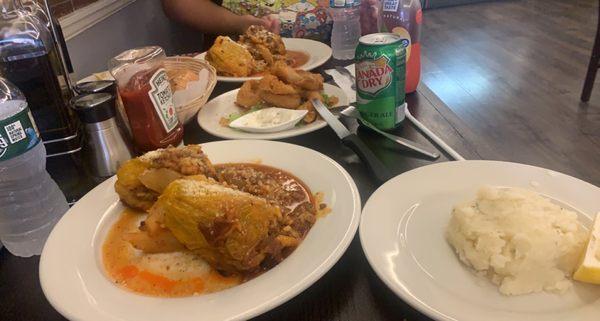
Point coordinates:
[[522, 241]]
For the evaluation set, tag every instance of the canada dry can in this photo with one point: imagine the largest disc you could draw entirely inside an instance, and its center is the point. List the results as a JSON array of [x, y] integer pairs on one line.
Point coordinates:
[[380, 73]]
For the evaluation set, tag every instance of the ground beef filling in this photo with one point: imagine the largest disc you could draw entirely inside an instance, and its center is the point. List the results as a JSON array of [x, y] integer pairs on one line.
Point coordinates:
[[279, 188]]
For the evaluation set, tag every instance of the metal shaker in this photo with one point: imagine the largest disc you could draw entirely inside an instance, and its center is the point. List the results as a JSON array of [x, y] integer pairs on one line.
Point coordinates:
[[105, 149], [109, 87], [95, 87]]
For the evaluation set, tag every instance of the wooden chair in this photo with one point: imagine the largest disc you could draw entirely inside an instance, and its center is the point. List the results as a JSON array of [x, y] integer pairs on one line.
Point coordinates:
[[590, 77]]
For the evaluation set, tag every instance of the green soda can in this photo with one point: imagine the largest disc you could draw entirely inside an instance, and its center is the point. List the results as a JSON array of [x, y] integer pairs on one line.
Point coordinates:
[[380, 76]]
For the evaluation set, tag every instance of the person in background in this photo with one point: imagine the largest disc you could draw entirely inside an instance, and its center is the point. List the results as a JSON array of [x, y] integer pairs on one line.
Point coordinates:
[[290, 18]]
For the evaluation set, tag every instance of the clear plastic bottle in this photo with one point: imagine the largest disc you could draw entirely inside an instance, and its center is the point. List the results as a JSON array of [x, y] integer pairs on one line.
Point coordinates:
[[346, 28], [404, 18], [30, 201]]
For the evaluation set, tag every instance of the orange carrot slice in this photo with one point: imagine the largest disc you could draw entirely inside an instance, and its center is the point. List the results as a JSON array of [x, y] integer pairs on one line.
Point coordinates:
[[158, 281]]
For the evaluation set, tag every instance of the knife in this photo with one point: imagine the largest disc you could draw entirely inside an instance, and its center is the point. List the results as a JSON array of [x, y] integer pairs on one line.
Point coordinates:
[[353, 113], [353, 142], [344, 72]]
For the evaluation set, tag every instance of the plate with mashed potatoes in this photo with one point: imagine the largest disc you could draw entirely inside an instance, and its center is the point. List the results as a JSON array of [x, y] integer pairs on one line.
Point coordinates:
[[486, 240]]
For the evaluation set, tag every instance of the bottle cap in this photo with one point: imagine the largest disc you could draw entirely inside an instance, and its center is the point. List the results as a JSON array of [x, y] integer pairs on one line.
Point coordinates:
[[94, 87], [94, 108], [129, 62]]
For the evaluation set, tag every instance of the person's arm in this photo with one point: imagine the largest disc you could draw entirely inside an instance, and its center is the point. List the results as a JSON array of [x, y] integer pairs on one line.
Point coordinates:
[[208, 17], [369, 16]]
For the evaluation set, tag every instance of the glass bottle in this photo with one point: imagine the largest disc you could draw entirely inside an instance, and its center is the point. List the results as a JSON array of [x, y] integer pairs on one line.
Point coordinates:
[[35, 9], [146, 93], [27, 50]]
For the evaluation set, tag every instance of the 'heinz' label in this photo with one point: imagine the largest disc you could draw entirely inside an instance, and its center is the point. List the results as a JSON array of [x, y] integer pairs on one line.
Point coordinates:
[[374, 76], [162, 99]]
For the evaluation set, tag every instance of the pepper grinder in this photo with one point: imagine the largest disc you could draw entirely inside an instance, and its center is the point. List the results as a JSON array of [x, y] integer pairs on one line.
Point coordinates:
[[105, 148]]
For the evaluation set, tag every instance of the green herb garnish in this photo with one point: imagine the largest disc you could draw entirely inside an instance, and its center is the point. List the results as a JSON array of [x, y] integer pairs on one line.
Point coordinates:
[[233, 116], [326, 99]]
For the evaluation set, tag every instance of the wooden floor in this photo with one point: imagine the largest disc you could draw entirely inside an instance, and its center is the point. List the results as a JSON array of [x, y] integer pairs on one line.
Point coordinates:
[[512, 71]]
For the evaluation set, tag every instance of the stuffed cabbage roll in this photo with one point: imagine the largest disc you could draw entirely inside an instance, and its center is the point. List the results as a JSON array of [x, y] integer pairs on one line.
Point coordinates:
[[232, 230], [141, 180]]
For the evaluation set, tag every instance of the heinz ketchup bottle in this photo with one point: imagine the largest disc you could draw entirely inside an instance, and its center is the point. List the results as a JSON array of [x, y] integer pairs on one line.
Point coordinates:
[[404, 18], [147, 97]]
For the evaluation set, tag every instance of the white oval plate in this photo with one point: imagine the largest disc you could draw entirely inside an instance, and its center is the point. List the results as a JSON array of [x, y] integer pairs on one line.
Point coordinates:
[[224, 105], [318, 53], [74, 282], [402, 234]]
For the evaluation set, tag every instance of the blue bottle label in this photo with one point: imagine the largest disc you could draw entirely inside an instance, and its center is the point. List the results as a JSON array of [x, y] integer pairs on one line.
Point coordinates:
[[343, 3], [390, 5], [18, 134]]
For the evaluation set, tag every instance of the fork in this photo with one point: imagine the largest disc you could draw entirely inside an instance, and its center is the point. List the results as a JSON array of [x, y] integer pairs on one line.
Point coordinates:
[[352, 112]]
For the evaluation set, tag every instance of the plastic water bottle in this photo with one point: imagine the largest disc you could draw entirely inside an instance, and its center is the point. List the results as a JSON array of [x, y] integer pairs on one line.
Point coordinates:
[[30, 201], [346, 28]]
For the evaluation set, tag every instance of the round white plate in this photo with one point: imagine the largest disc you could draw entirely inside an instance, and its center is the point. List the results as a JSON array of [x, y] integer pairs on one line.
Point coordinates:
[[402, 233], [74, 282], [318, 53], [224, 105]]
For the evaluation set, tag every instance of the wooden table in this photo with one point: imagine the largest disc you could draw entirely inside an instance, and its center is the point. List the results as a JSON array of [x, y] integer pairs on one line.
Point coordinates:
[[349, 291]]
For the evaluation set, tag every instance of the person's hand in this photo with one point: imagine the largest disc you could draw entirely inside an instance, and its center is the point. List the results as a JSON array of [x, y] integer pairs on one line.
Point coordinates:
[[247, 21], [273, 23], [270, 22], [369, 16]]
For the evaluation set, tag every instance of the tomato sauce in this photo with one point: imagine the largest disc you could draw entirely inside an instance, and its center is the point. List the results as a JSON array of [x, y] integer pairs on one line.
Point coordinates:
[[175, 274], [298, 58], [183, 273], [152, 126]]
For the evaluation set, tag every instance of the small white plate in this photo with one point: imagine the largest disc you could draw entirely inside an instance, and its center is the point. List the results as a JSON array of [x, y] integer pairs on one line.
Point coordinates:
[[73, 280], [224, 105], [318, 53], [402, 234]]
